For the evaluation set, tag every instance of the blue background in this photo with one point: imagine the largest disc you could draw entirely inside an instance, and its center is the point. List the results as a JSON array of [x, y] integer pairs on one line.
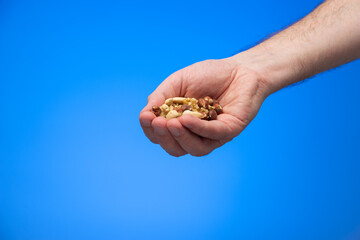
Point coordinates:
[[75, 163]]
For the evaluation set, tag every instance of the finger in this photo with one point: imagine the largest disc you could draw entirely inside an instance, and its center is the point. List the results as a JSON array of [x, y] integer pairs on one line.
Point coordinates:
[[155, 100], [170, 87], [190, 142], [165, 139], [225, 127], [146, 119]]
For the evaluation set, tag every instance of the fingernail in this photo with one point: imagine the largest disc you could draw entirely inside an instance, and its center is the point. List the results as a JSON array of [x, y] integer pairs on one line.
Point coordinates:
[[146, 123], [174, 131], [159, 131]]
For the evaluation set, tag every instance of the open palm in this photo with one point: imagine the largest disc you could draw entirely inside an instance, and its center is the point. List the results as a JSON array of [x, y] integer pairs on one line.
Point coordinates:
[[240, 91]]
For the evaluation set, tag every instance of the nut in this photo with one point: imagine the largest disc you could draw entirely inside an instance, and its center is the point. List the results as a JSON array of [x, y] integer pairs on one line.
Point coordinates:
[[203, 103], [178, 99], [186, 107], [212, 114], [164, 108], [204, 115], [169, 101], [178, 109], [195, 114], [209, 100], [156, 110], [205, 108], [172, 114], [193, 101], [218, 108]]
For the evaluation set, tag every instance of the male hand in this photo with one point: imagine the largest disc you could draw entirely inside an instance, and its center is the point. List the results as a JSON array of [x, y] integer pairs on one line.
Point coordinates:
[[240, 91], [328, 37]]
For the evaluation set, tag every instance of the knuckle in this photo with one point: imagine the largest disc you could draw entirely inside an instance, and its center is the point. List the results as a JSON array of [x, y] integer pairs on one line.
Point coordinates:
[[159, 134], [173, 151], [154, 140], [152, 137], [201, 151], [198, 154], [177, 154], [150, 97]]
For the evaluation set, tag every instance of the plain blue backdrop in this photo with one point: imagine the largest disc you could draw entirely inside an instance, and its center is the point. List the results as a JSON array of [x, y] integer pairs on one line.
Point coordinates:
[[75, 163]]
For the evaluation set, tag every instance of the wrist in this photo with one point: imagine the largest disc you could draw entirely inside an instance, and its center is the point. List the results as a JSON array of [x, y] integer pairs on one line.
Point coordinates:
[[277, 66]]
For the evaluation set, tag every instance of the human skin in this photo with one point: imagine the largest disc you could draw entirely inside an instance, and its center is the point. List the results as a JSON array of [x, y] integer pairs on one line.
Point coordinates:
[[326, 38]]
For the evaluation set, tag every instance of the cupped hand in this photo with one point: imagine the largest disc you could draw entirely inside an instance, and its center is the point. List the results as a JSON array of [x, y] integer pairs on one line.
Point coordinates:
[[239, 89]]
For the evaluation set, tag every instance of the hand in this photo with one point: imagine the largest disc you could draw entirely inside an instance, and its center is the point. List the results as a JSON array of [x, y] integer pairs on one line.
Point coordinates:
[[240, 91], [241, 83]]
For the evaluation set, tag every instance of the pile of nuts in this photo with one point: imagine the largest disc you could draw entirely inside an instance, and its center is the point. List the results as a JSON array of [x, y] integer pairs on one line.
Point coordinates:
[[204, 108]]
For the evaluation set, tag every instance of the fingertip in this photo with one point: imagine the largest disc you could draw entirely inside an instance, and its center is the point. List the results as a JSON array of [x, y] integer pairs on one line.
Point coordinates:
[[159, 126], [147, 108], [173, 122], [189, 121], [154, 100], [178, 154], [159, 121], [147, 114], [162, 136], [174, 127], [146, 118], [188, 140]]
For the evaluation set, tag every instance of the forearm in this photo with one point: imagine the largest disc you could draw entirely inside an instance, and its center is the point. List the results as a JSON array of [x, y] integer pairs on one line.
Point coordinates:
[[326, 38]]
